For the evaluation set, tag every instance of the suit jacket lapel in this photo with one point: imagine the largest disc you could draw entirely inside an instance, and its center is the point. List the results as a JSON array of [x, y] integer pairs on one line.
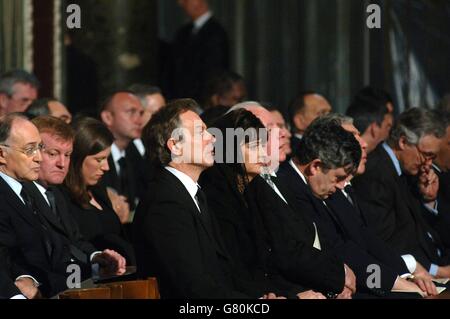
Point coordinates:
[[17, 204], [186, 197], [43, 207]]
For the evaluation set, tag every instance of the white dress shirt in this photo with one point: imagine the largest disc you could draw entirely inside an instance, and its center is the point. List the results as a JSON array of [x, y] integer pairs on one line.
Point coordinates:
[[117, 154], [201, 21], [191, 186]]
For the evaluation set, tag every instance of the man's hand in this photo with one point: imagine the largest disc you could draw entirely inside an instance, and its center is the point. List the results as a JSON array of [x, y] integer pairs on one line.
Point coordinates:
[[428, 184], [421, 272], [310, 294], [345, 294], [111, 262], [426, 285], [28, 288], [405, 285], [443, 272], [350, 279]]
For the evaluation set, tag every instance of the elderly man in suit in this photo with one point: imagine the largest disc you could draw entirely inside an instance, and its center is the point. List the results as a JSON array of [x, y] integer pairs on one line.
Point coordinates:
[[390, 205], [175, 233], [25, 228]]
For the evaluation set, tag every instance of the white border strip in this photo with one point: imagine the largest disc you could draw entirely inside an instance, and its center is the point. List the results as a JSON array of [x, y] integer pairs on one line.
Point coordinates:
[[57, 58], [28, 35]]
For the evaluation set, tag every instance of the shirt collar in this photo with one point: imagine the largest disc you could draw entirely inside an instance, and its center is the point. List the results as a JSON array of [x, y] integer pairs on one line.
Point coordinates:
[[201, 21], [188, 182], [139, 146], [116, 153], [298, 135], [14, 184], [291, 162], [394, 158], [42, 190], [436, 168]]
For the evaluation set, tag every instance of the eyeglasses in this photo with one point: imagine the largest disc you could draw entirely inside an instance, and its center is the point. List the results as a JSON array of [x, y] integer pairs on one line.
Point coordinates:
[[425, 156], [29, 151]]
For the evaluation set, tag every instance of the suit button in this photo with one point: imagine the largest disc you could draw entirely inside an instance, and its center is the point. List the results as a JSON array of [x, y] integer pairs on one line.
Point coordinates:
[[266, 275], [270, 250]]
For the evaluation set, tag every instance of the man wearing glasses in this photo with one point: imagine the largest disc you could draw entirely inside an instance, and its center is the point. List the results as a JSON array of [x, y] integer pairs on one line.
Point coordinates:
[[24, 231], [18, 89], [391, 207]]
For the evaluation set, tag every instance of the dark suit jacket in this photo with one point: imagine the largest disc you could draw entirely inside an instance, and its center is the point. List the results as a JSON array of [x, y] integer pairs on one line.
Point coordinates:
[[196, 56], [237, 226], [441, 222], [356, 230], [333, 235], [143, 169], [64, 224], [393, 212], [34, 245], [289, 237], [8, 274], [174, 243]]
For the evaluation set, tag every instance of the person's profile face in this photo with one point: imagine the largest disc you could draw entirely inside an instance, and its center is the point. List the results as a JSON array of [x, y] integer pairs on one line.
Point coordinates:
[[95, 166], [327, 181], [24, 94]]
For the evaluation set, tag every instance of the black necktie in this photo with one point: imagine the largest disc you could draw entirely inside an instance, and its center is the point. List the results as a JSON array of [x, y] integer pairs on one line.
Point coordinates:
[[123, 176], [30, 204], [52, 201], [203, 205], [350, 195]]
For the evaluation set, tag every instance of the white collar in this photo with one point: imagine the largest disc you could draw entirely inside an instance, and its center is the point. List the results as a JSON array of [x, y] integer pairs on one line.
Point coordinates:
[[43, 191], [291, 162], [298, 135], [139, 146], [191, 186], [14, 184], [201, 21], [116, 153]]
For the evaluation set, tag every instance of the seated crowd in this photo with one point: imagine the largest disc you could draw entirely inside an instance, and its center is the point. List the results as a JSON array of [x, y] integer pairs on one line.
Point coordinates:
[[233, 202]]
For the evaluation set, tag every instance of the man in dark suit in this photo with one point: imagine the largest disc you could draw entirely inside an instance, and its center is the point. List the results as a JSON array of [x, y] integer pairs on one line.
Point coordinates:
[[327, 273], [439, 218], [200, 49], [390, 206], [14, 283], [327, 155], [26, 229], [122, 114], [175, 234], [305, 108]]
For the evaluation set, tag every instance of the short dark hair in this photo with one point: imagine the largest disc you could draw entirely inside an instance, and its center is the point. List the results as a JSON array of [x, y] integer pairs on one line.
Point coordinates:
[[377, 94], [414, 124], [365, 111], [54, 126], [39, 107], [143, 90], [327, 141], [6, 123], [10, 78], [297, 105], [161, 126], [220, 83], [107, 101], [91, 137]]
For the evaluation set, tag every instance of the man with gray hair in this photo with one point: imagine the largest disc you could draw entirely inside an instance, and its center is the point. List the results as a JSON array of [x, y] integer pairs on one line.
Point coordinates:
[[18, 89], [393, 211]]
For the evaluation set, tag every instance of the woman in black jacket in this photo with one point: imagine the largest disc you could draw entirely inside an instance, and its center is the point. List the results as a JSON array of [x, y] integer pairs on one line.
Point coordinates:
[[240, 157], [88, 201]]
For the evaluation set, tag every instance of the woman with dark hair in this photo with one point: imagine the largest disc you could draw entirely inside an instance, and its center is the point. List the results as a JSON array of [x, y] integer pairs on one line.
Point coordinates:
[[240, 157], [88, 200]]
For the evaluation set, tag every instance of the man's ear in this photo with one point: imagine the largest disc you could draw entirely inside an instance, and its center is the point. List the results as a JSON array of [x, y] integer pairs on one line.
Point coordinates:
[[106, 117], [175, 147], [402, 143], [298, 121], [2, 156], [3, 102], [373, 130], [314, 167]]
